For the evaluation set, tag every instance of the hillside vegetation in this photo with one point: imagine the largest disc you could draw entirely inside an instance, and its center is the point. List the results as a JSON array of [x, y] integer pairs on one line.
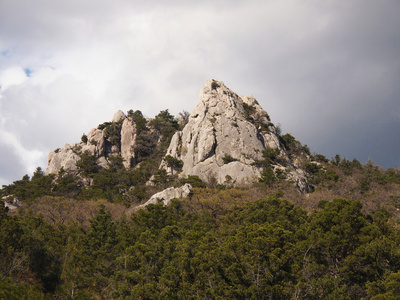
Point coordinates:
[[78, 234], [266, 249]]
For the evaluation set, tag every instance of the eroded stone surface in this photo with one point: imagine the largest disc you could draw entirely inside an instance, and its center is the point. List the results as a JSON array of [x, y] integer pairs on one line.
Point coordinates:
[[224, 137], [65, 158], [219, 140], [167, 195], [222, 142], [128, 141], [97, 145]]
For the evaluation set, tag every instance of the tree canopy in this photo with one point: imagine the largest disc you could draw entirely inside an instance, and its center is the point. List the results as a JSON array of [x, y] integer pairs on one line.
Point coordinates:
[[267, 249]]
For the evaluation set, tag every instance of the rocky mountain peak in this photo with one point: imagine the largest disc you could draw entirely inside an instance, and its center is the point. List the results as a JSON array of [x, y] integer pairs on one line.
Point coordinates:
[[118, 116], [224, 141], [117, 137], [225, 137]]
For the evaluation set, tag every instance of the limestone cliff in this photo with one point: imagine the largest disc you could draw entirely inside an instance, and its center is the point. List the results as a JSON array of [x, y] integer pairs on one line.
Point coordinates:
[[225, 138], [128, 142], [224, 141], [117, 137]]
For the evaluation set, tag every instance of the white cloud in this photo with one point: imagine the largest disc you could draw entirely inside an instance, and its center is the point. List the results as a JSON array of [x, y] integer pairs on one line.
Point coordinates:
[[316, 67], [29, 158], [11, 76]]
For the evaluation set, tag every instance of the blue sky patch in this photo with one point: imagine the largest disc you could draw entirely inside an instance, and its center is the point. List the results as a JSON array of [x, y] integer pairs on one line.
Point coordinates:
[[28, 72]]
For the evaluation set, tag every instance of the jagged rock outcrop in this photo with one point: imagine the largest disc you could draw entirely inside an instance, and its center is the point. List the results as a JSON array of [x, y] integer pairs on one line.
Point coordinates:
[[128, 142], [225, 137], [219, 140], [100, 143], [167, 195], [65, 158], [118, 116], [95, 143], [223, 141]]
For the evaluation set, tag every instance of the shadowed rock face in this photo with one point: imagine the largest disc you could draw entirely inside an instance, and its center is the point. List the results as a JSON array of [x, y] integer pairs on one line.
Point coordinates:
[[224, 137]]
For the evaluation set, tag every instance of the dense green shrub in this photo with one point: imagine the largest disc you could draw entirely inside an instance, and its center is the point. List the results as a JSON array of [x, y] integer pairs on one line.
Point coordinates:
[[228, 159], [160, 177], [312, 168], [28, 189], [318, 175], [112, 133], [88, 164], [66, 185], [145, 146], [103, 125], [84, 138], [270, 154], [267, 175], [173, 163], [288, 141], [248, 112], [165, 124], [139, 120], [195, 181], [321, 158]]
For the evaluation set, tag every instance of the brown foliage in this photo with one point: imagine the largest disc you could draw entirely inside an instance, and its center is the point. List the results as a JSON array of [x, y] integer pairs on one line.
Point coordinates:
[[60, 210]]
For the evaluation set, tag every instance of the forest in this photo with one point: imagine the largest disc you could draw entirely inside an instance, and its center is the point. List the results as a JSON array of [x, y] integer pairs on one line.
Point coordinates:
[[266, 249], [262, 241]]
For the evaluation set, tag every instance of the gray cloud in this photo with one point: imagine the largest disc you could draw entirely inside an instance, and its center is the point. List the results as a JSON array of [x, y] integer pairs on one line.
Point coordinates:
[[326, 71], [11, 166]]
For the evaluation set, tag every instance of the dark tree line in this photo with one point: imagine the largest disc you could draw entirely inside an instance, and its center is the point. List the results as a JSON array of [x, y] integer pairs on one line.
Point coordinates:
[[268, 249]]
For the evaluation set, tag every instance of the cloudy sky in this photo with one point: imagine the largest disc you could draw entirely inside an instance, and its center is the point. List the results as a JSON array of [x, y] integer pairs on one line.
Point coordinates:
[[327, 71]]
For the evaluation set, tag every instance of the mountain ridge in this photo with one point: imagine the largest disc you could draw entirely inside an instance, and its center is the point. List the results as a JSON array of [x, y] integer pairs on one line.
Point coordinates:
[[223, 140], [227, 142]]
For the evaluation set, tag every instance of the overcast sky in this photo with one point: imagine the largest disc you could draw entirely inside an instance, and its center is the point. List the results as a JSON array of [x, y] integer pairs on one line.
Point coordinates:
[[327, 71]]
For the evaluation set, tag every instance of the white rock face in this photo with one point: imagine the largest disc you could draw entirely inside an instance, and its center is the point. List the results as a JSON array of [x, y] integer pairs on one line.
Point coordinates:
[[62, 158], [118, 116], [224, 137], [167, 195], [128, 141], [219, 140], [95, 144]]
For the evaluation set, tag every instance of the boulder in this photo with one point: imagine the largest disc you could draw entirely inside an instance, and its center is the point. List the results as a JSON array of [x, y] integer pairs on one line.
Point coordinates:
[[167, 195]]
